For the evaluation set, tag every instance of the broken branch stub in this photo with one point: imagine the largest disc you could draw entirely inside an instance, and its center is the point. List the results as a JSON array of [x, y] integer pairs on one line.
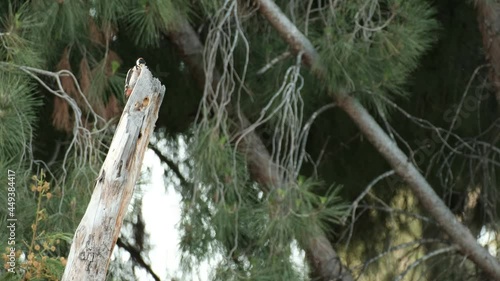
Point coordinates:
[[99, 228]]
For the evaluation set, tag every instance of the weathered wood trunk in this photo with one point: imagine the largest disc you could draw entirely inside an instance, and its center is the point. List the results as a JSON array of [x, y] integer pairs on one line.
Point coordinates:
[[99, 228]]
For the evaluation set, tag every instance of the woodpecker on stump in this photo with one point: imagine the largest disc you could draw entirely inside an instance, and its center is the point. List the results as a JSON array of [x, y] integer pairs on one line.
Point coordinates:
[[132, 76]]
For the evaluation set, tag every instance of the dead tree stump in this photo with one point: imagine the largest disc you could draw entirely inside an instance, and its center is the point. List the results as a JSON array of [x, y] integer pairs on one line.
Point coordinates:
[[99, 228]]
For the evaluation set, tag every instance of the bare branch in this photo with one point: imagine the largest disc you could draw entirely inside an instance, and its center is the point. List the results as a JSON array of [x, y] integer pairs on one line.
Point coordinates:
[[424, 258], [360, 197], [274, 61], [399, 247], [84, 140], [396, 158]]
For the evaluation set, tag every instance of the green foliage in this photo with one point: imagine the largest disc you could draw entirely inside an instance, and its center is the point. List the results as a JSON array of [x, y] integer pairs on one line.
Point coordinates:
[[17, 40], [211, 6], [43, 259], [109, 12], [198, 207], [228, 215], [115, 84], [72, 192], [372, 46], [17, 115], [62, 21], [148, 18], [99, 82], [24, 199]]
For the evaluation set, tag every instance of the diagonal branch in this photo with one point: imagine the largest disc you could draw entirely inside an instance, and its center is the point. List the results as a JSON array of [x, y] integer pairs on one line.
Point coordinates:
[[136, 255], [391, 152], [321, 255], [171, 164]]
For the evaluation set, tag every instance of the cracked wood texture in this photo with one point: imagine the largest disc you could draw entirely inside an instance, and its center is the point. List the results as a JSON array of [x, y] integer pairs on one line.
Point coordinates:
[[99, 228]]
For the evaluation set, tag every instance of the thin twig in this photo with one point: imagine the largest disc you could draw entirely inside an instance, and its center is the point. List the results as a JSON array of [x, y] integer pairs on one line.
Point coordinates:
[[354, 205], [424, 258], [274, 61]]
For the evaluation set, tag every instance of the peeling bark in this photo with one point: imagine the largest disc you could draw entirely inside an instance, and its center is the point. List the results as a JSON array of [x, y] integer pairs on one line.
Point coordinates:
[[389, 150], [322, 258], [99, 228]]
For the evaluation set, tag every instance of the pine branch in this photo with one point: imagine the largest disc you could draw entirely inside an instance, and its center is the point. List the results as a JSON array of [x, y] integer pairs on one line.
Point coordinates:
[[424, 258], [400, 247], [320, 253], [391, 152], [274, 61]]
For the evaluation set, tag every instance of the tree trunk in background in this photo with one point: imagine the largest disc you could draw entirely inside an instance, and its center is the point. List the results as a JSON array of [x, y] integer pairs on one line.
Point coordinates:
[[99, 228], [488, 14], [396, 158], [323, 259]]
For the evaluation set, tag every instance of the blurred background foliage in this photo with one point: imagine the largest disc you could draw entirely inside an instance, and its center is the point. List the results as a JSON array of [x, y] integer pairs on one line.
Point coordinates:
[[418, 65]]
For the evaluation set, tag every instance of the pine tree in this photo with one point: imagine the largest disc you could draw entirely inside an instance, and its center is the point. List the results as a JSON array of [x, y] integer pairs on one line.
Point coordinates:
[[274, 170]]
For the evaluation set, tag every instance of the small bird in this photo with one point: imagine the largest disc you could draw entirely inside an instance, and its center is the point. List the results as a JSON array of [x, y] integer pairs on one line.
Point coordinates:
[[133, 75]]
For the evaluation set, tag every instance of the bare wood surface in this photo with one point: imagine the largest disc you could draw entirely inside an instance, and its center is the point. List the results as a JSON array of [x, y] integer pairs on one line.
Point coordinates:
[[99, 228]]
